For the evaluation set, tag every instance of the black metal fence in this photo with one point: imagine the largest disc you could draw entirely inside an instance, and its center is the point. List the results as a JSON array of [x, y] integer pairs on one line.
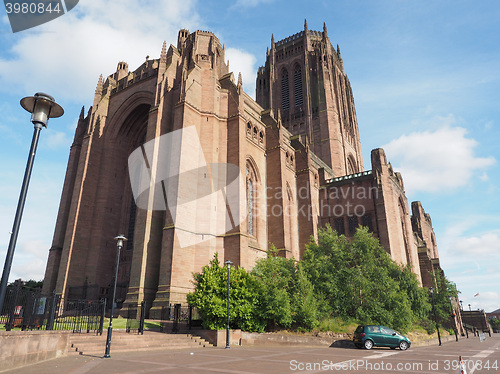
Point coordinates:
[[176, 317], [29, 310], [136, 314]]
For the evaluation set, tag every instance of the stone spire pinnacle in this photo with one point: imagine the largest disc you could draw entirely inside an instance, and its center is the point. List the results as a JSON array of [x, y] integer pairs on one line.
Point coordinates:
[[325, 32], [163, 54], [240, 82], [305, 25], [100, 85]]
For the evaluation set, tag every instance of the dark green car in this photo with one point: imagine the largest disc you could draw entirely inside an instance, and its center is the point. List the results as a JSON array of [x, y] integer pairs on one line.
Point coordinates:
[[369, 336]]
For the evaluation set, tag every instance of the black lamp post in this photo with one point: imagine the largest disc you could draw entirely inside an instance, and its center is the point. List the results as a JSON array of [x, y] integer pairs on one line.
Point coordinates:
[[120, 239], [228, 264], [435, 315], [42, 107]]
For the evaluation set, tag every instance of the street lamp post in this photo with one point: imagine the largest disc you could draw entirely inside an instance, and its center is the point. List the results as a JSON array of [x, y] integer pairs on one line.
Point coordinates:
[[228, 264], [120, 239], [42, 107], [435, 315]]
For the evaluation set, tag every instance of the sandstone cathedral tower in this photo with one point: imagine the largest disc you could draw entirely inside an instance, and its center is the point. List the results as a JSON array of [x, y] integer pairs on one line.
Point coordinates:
[[297, 153]]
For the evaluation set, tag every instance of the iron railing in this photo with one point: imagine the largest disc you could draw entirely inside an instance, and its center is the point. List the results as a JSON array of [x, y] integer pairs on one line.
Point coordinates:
[[29, 310]]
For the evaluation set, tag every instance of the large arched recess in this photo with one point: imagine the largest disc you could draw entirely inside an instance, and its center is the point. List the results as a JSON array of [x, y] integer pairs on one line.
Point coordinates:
[[125, 130]]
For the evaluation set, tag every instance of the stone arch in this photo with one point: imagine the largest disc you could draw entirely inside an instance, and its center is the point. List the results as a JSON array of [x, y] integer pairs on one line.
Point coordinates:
[[252, 194], [285, 90], [297, 86], [351, 165], [403, 213], [128, 113]]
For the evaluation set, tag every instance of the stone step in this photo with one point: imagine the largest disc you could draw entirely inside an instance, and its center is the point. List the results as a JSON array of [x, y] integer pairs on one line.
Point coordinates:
[[122, 342]]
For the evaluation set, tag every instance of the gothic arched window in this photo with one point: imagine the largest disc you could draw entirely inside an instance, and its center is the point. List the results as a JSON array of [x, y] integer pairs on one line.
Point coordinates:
[[251, 182], [351, 165], [297, 86], [285, 90]]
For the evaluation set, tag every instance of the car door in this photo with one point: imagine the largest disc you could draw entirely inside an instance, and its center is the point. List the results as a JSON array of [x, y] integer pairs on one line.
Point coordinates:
[[376, 335], [389, 336]]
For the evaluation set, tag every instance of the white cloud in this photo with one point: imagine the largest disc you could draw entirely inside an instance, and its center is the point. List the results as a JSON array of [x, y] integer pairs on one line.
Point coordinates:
[[66, 56], [484, 245], [249, 3], [472, 261], [439, 160], [244, 62], [57, 140]]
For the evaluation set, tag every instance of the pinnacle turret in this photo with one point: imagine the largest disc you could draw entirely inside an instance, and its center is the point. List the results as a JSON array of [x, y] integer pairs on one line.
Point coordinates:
[[163, 54]]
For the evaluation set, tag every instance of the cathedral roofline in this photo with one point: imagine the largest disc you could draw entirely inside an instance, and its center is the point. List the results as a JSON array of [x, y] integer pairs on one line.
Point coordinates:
[[349, 178]]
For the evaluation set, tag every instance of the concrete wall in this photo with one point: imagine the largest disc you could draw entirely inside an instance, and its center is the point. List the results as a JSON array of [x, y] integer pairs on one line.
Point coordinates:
[[20, 348]]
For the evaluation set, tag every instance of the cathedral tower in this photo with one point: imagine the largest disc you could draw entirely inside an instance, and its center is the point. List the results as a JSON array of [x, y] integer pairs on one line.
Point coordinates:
[[304, 79]]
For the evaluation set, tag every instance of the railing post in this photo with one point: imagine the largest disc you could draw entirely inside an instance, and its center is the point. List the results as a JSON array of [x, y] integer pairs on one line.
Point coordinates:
[[190, 316], [143, 316], [177, 313], [29, 301], [103, 314], [52, 312]]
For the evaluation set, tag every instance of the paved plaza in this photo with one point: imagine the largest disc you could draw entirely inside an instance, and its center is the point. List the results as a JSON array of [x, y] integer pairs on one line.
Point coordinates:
[[291, 359]]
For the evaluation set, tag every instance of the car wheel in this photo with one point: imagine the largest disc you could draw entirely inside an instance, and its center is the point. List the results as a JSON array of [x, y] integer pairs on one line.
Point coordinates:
[[368, 344], [403, 345]]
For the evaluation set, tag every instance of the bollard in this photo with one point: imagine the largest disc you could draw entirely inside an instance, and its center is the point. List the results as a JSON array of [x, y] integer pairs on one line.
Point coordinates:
[[462, 366]]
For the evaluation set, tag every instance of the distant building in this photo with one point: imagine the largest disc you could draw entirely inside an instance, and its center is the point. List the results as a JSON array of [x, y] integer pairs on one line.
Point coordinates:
[[495, 314], [297, 148]]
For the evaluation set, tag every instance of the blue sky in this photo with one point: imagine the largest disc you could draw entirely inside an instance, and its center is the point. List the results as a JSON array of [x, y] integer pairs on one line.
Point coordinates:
[[425, 76]]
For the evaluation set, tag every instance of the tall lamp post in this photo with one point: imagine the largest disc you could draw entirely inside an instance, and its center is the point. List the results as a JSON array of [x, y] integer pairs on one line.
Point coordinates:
[[120, 239], [228, 264], [42, 107], [435, 315]]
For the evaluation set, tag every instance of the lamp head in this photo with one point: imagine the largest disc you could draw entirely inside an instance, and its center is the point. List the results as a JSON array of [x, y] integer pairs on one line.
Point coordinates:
[[431, 289], [42, 107], [228, 263], [120, 239]]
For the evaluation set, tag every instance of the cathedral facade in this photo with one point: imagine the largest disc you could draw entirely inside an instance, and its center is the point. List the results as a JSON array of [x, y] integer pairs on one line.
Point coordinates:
[[297, 154]]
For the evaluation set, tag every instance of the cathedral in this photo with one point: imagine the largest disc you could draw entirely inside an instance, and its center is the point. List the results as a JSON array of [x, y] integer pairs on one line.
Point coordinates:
[[178, 158]]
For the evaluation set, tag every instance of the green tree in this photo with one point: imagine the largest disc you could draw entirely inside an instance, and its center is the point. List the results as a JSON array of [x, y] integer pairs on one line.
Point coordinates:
[[358, 279], [495, 323], [444, 290], [210, 297], [288, 297]]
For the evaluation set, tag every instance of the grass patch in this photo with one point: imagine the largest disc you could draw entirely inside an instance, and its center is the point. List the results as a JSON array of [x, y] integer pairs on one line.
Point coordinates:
[[121, 323], [338, 325]]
